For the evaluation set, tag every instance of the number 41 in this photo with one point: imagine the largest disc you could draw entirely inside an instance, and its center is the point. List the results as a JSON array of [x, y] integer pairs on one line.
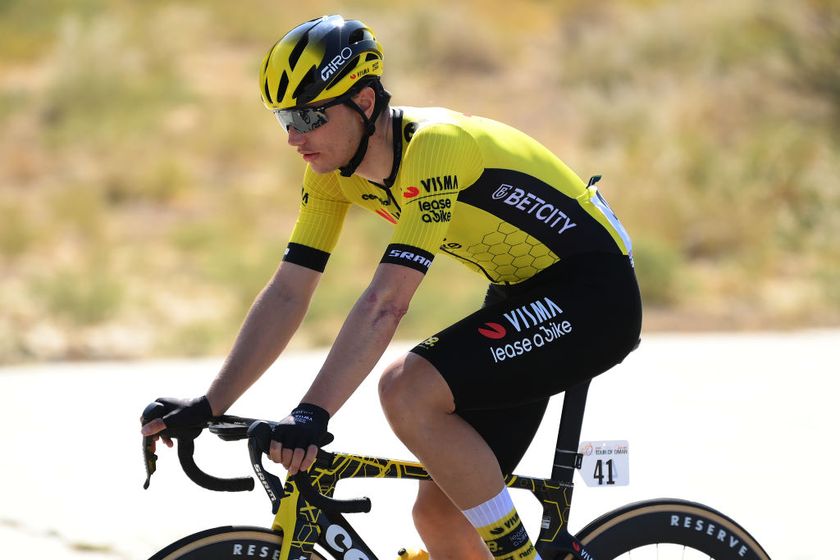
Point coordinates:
[[599, 471]]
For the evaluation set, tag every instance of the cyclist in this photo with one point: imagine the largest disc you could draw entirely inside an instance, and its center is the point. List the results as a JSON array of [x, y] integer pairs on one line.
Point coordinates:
[[563, 304]]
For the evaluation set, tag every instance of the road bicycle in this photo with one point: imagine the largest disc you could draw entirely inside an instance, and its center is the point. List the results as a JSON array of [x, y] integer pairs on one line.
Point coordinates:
[[310, 524]]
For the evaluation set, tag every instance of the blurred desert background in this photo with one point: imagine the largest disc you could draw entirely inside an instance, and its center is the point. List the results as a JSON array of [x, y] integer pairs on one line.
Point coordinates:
[[146, 195]]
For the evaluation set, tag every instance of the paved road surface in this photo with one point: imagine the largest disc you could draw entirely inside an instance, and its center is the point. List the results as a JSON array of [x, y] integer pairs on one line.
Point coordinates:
[[744, 423]]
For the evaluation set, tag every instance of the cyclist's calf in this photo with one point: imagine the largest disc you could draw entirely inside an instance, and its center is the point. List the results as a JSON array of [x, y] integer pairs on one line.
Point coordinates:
[[444, 529]]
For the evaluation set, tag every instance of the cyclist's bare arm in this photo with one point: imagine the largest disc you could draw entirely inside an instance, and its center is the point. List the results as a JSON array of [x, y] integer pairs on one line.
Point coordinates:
[[365, 335], [363, 338], [273, 319]]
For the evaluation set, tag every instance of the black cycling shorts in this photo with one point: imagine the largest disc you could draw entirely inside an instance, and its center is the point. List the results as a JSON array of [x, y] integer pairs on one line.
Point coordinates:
[[569, 323]]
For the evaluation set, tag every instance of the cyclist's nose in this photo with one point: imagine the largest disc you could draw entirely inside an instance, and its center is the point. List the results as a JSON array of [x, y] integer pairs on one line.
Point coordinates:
[[295, 136]]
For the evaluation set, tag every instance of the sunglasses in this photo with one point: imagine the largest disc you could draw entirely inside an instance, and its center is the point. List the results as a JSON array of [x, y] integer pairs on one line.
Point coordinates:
[[305, 119]]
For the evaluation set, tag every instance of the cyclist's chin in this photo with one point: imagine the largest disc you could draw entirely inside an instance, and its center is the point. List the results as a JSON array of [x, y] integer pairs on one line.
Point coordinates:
[[320, 164]]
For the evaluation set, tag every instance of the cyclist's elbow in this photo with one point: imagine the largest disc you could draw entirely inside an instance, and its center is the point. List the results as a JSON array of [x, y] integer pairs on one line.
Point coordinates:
[[384, 305]]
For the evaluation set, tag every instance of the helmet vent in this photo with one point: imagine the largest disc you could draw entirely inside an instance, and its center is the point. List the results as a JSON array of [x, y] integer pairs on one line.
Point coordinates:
[[282, 86], [306, 83], [267, 93], [298, 50], [372, 56], [358, 36]]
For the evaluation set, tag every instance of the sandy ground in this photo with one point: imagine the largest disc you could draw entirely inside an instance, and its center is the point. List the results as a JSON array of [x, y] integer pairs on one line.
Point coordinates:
[[743, 423]]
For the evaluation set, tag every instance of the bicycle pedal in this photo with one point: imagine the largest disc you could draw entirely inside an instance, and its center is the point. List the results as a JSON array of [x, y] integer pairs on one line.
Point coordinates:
[[412, 554]]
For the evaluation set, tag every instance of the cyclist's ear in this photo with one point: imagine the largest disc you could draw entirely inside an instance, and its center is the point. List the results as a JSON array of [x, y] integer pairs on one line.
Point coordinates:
[[366, 100]]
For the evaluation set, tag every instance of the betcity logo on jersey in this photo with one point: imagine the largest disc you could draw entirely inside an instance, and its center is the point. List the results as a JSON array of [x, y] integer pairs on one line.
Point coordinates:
[[538, 321], [336, 63], [534, 206]]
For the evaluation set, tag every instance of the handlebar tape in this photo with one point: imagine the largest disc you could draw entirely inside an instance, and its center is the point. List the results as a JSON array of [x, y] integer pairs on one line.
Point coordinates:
[[186, 448], [185, 438]]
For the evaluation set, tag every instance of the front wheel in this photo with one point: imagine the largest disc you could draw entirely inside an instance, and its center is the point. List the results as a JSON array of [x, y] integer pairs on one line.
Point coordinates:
[[665, 529], [227, 543]]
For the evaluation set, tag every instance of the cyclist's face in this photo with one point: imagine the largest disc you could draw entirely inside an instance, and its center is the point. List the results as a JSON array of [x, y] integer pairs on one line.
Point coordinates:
[[332, 144]]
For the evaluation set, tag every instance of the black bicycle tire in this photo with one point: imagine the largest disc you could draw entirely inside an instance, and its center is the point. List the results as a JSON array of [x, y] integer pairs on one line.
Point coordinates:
[[669, 521], [217, 544]]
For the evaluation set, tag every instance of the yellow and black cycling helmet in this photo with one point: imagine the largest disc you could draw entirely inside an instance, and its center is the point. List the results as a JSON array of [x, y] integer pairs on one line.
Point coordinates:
[[318, 60], [326, 59]]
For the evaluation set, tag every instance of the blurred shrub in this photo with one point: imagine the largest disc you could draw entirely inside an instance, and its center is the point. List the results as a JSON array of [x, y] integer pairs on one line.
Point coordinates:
[[77, 210], [110, 76], [17, 234], [198, 338], [79, 297], [657, 268]]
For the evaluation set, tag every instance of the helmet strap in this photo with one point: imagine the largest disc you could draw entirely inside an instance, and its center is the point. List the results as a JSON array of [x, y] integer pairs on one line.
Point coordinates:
[[382, 98]]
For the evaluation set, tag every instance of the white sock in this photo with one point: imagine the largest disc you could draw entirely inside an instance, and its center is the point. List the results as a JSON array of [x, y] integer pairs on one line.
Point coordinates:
[[498, 523]]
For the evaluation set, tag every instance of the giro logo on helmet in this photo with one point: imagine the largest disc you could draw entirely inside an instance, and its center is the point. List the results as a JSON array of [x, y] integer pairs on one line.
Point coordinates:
[[336, 63]]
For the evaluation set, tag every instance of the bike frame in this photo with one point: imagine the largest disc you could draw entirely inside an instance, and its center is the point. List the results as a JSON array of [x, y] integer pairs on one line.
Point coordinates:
[[306, 515]]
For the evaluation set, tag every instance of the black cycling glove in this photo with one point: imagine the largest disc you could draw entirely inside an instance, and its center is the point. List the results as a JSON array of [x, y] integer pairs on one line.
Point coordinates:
[[310, 428], [183, 417]]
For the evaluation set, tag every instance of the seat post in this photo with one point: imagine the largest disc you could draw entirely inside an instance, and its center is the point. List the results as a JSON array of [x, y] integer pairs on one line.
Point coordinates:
[[568, 435]]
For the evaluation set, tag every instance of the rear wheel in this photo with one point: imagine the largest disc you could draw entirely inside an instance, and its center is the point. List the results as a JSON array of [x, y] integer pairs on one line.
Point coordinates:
[[226, 543], [664, 529]]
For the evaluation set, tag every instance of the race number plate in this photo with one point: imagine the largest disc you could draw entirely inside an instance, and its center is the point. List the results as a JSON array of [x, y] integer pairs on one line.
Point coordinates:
[[605, 463]]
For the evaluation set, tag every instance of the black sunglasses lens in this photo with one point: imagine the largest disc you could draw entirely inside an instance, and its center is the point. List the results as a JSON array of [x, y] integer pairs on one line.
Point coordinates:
[[302, 120]]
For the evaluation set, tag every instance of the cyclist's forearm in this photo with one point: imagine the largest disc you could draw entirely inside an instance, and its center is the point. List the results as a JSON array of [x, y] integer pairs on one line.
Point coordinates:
[[365, 335], [360, 344], [272, 320]]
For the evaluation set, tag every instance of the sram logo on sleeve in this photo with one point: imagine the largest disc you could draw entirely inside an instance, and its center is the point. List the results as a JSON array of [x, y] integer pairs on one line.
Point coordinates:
[[409, 256]]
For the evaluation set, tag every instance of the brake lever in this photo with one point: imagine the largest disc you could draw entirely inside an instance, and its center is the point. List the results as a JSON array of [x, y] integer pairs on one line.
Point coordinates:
[[152, 411], [259, 441], [150, 458]]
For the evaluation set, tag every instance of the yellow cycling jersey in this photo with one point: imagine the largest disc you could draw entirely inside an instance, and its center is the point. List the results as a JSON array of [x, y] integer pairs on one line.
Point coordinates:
[[470, 187]]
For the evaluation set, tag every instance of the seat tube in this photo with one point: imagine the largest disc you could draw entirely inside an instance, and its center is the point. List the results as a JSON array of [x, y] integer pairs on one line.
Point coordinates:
[[568, 435]]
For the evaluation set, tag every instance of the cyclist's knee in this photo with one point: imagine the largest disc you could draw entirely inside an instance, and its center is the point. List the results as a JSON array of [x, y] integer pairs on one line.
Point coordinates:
[[392, 384], [412, 383]]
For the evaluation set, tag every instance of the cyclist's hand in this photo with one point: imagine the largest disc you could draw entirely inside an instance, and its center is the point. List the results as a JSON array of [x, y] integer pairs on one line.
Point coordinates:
[[179, 414], [295, 440]]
